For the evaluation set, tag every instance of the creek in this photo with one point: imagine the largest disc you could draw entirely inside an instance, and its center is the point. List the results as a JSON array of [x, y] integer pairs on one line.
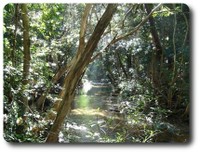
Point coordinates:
[[97, 117]]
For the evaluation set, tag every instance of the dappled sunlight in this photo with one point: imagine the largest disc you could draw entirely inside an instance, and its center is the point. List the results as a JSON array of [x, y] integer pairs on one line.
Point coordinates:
[[76, 127], [121, 77], [89, 112]]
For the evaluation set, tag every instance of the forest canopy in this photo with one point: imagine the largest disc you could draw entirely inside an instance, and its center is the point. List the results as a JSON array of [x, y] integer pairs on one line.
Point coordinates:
[[57, 56]]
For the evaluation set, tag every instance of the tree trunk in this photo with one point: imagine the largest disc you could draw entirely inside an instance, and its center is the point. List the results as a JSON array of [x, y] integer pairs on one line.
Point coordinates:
[[121, 64], [157, 59], [77, 67], [61, 72], [26, 46], [16, 20], [40, 102]]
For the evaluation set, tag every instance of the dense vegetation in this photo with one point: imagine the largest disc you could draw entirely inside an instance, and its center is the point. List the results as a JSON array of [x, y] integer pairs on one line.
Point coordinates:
[[140, 50]]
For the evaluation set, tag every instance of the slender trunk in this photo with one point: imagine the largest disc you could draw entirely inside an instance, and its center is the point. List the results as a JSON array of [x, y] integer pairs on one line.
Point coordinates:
[[157, 55], [129, 62], [41, 100], [79, 63], [111, 76], [61, 72], [16, 20], [26, 46], [121, 64], [174, 47]]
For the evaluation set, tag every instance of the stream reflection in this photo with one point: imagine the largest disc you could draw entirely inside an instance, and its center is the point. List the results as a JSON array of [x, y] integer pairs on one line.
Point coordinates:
[[96, 118], [88, 120]]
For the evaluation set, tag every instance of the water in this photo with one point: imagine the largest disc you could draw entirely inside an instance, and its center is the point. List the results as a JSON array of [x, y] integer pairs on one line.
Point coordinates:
[[88, 121], [97, 117]]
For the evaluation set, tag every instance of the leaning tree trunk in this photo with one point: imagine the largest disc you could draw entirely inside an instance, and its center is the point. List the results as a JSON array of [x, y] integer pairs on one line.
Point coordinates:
[[77, 67], [62, 71]]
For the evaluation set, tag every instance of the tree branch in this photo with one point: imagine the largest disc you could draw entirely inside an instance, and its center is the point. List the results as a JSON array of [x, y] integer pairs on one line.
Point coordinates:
[[84, 24], [137, 27], [116, 39]]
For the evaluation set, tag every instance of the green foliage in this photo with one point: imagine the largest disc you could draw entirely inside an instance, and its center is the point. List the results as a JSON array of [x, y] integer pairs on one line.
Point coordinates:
[[19, 127], [129, 65]]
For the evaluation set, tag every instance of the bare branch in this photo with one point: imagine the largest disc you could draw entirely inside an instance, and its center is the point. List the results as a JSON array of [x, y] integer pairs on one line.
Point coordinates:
[[137, 27], [187, 30], [174, 45], [116, 39], [127, 13]]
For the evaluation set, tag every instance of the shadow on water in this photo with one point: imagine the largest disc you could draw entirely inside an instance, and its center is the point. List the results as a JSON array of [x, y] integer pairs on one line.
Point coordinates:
[[96, 118]]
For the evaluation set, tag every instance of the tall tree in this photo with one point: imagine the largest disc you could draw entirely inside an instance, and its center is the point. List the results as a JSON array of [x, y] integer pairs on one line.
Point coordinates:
[[78, 65], [26, 46], [157, 55], [16, 20], [40, 102]]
